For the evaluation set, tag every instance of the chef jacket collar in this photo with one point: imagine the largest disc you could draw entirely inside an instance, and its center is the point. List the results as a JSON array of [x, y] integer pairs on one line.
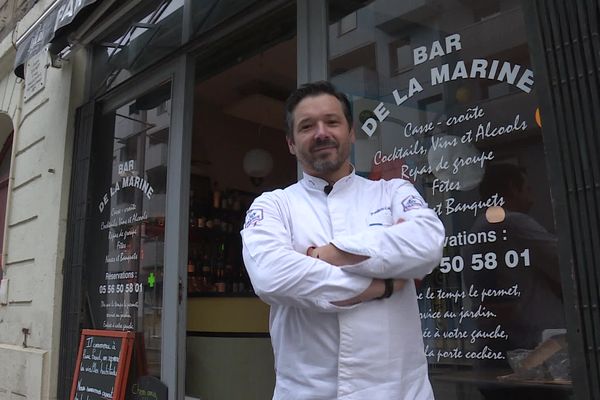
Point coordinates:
[[318, 184]]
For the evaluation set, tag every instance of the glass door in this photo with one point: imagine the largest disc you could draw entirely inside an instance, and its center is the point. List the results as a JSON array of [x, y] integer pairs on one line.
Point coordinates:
[[133, 253], [126, 260]]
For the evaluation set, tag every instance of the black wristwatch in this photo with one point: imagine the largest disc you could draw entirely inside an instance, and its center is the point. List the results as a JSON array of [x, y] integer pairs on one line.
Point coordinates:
[[389, 289]]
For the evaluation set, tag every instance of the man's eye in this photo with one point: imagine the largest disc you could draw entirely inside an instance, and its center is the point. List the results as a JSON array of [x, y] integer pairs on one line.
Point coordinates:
[[305, 127]]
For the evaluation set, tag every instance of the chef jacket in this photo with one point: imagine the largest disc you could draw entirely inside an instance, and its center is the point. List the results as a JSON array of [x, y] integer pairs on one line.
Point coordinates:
[[373, 350]]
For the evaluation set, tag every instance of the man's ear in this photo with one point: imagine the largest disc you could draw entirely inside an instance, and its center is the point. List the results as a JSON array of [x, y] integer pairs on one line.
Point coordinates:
[[352, 135], [290, 143]]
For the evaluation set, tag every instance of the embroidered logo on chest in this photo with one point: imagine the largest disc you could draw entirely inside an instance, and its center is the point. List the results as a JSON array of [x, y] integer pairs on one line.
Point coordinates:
[[380, 217]]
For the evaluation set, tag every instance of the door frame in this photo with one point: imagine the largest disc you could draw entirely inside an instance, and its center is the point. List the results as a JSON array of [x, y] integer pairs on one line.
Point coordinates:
[[180, 72]]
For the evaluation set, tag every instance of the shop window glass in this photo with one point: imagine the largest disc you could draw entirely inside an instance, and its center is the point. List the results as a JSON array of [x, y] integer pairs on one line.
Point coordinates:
[[142, 39], [124, 267], [486, 9], [347, 24], [447, 100], [400, 55], [206, 15]]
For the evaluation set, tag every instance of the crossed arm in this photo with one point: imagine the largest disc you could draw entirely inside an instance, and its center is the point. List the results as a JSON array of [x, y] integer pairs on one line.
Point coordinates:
[[349, 270], [334, 256]]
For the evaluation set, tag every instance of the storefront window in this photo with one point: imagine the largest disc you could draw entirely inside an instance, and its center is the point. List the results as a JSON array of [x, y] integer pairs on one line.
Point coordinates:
[[124, 268], [137, 42], [206, 15], [445, 97]]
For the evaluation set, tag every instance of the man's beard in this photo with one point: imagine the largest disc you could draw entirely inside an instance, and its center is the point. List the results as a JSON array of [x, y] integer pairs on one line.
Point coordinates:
[[328, 164], [323, 166]]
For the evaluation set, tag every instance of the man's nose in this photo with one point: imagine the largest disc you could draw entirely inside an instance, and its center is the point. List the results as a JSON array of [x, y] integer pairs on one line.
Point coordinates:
[[321, 131]]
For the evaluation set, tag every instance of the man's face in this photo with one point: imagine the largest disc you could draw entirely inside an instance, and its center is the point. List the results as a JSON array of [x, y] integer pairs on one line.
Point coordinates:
[[321, 138]]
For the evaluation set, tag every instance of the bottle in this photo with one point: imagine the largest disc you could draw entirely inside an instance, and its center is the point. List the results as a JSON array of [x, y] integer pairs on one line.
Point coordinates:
[[225, 200], [191, 273], [203, 210], [216, 195], [206, 276], [236, 202], [220, 282], [218, 266]]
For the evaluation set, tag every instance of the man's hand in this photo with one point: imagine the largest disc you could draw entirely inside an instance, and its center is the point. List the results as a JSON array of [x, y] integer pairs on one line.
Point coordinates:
[[376, 289], [334, 256]]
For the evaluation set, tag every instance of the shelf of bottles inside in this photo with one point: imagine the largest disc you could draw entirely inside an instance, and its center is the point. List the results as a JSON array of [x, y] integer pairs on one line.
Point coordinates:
[[215, 266]]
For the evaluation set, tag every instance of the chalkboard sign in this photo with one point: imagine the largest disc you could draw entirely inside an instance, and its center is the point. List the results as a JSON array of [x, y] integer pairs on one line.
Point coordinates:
[[102, 365]]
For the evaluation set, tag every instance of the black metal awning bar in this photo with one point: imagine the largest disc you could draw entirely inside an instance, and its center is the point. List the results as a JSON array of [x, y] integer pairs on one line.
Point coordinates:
[[59, 19]]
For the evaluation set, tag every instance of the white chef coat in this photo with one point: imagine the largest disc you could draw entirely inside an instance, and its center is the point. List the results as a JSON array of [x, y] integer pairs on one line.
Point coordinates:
[[373, 350]]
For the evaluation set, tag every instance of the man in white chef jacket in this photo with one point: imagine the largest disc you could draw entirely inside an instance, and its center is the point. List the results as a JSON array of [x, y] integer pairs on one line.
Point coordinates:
[[335, 256]]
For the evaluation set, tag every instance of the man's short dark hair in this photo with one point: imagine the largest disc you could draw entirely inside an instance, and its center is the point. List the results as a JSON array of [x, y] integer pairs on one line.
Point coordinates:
[[310, 90], [498, 178]]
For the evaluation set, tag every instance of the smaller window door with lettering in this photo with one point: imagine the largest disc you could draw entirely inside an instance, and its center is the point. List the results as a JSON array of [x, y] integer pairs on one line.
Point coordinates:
[[126, 240]]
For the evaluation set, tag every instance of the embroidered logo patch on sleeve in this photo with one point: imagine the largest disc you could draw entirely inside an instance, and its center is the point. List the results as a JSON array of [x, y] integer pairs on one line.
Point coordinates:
[[253, 217], [412, 202]]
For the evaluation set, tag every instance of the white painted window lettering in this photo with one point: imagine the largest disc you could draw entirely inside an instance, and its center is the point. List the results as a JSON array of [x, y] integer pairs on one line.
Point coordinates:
[[127, 166], [371, 124], [452, 42], [476, 68]]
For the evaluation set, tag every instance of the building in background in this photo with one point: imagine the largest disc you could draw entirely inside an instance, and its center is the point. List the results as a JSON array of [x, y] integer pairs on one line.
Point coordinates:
[[133, 136]]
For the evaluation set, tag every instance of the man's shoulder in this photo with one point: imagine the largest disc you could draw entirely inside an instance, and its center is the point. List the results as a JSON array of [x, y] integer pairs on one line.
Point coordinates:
[[389, 184], [269, 196], [277, 195]]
